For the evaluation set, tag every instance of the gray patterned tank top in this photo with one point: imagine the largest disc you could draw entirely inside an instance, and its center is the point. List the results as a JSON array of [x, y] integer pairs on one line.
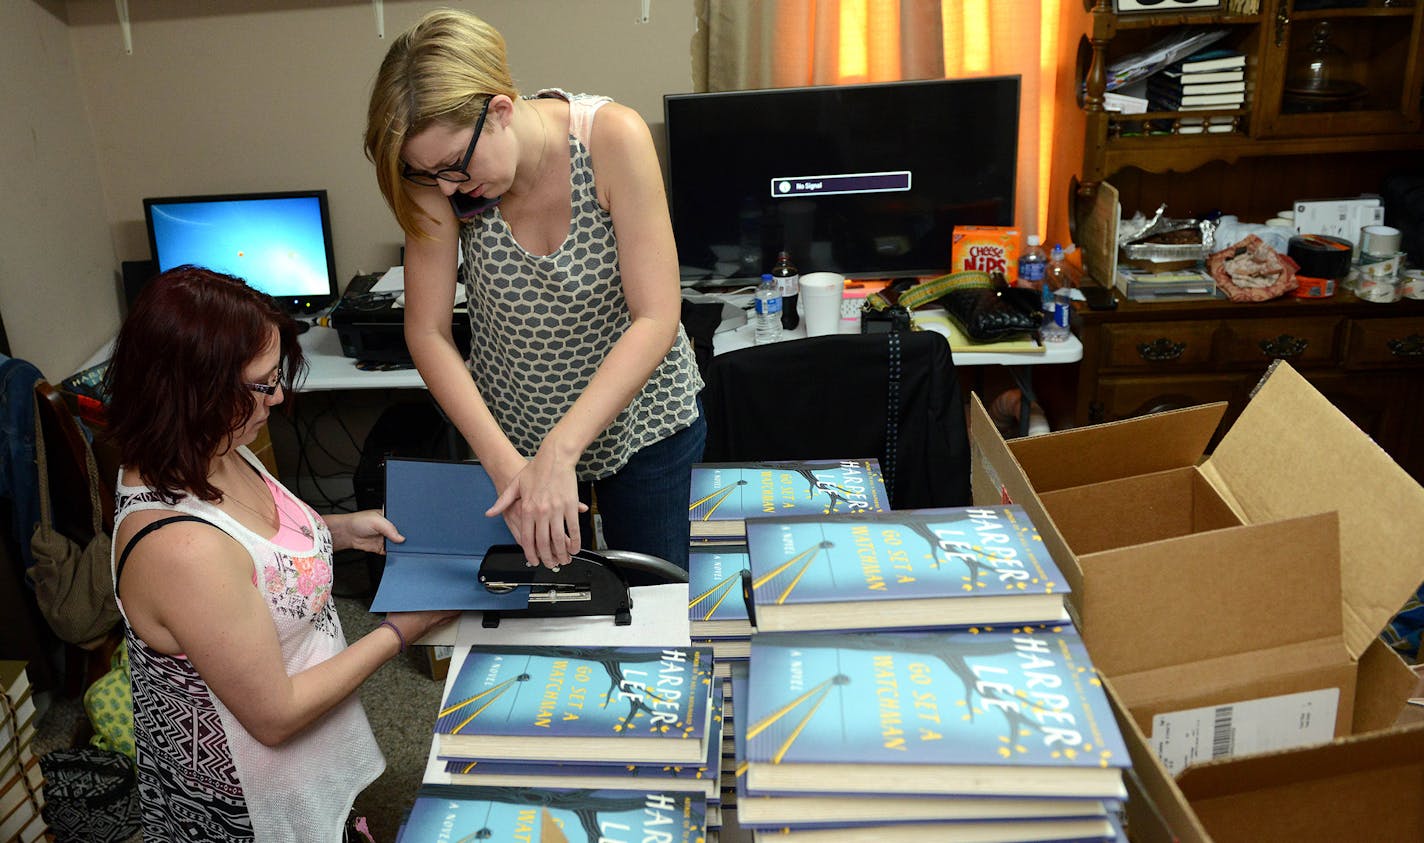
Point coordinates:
[[542, 324]]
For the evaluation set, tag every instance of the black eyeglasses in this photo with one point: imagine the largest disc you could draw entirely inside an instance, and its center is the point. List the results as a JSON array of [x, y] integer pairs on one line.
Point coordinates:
[[456, 174]]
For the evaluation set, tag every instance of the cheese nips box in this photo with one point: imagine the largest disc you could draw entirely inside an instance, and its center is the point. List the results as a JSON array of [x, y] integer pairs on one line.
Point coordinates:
[[987, 248]]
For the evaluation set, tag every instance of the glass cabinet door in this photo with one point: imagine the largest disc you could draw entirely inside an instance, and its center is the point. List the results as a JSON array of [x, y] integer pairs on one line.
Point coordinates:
[[1340, 67]]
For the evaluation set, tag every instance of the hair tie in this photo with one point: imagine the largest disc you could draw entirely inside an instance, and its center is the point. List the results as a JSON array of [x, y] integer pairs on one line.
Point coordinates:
[[399, 636]]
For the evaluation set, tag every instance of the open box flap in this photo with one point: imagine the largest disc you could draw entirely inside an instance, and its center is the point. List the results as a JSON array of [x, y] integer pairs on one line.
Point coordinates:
[[997, 477], [1292, 453], [1201, 594], [1401, 746], [1146, 444]]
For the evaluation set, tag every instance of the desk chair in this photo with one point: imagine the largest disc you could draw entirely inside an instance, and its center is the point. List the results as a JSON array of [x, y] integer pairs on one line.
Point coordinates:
[[894, 397]]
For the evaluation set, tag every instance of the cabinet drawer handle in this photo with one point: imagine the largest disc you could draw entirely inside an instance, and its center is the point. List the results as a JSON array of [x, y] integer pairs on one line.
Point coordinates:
[[1284, 347], [1410, 346], [1161, 349]]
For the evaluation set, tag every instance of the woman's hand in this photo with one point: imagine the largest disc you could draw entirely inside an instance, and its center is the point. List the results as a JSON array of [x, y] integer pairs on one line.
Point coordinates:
[[541, 506], [414, 626], [364, 530]]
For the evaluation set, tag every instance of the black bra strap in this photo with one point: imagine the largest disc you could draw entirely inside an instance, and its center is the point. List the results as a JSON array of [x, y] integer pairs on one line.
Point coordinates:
[[148, 528]]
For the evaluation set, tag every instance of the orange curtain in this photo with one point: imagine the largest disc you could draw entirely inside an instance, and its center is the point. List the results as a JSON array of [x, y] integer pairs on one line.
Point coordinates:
[[786, 43]]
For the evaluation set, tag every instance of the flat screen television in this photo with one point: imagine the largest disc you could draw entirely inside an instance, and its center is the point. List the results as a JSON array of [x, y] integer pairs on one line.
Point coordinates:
[[280, 243], [865, 180]]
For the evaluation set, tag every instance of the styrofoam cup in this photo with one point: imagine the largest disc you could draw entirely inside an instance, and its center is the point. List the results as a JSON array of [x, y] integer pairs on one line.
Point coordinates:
[[821, 302]]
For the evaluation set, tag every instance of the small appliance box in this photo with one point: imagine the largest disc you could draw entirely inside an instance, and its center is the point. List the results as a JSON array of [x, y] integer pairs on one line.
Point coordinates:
[[1338, 217], [1233, 603]]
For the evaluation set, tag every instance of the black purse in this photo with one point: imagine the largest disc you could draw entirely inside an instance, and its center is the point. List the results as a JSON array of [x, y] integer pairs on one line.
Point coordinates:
[[986, 309], [90, 796]]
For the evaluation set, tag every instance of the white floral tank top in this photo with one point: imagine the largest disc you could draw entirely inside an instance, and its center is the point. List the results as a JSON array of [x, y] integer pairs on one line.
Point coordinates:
[[201, 776]]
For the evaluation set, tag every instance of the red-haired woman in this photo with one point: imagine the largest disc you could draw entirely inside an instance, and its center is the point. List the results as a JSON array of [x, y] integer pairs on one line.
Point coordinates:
[[245, 717]]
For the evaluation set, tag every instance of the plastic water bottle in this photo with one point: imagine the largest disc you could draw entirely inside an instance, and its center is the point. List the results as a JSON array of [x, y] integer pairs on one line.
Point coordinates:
[[1055, 275], [789, 280], [768, 311], [1033, 264], [1056, 327]]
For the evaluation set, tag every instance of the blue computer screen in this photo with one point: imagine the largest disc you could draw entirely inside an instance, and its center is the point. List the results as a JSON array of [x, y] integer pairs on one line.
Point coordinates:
[[279, 244]]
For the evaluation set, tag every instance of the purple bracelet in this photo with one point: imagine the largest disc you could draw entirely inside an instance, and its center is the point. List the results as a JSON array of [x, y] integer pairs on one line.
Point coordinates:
[[399, 636]]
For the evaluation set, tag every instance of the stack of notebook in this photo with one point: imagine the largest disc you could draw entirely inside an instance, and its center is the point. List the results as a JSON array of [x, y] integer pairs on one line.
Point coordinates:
[[1213, 80]]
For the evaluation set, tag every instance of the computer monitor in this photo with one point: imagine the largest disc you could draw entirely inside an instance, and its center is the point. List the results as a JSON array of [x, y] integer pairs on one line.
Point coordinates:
[[865, 180], [280, 243]]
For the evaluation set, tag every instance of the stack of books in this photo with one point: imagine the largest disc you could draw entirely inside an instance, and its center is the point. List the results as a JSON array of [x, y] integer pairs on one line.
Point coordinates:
[[21, 781], [552, 815], [982, 734], [914, 676], [1174, 285], [1212, 80], [625, 722], [725, 496], [700, 778], [717, 605], [906, 569]]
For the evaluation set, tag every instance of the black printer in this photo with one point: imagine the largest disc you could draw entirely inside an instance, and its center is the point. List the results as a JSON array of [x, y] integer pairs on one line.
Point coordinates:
[[371, 327]]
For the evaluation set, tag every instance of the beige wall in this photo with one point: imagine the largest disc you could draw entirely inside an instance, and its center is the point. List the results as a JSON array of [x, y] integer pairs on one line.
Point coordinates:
[[58, 293], [245, 95]]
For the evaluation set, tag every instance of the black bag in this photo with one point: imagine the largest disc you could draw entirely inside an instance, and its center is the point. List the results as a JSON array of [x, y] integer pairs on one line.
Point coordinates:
[[994, 312], [986, 308], [90, 796]]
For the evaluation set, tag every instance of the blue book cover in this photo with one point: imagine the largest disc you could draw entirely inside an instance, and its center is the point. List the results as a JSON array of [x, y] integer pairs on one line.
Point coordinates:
[[940, 567], [818, 810], [1014, 712], [602, 774], [543, 815], [726, 495], [629, 704], [715, 605], [439, 508]]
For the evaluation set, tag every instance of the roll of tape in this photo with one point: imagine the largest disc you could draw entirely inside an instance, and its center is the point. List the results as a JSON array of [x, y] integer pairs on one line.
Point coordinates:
[[1379, 240], [1379, 282], [1314, 288], [1320, 255], [1411, 284]]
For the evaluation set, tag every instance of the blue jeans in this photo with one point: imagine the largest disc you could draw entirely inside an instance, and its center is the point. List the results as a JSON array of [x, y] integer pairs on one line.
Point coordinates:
[[644, 505]]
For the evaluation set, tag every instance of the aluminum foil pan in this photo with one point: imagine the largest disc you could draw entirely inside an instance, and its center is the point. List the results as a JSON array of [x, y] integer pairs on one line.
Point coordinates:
[[1202, 233], [1165, 251]]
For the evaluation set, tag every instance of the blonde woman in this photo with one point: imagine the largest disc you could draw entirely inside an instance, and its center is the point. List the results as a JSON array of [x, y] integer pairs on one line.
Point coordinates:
[[580, 380]]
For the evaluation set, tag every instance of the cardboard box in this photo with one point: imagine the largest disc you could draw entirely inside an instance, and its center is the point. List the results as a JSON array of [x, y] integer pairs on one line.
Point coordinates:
[[1266, 568]]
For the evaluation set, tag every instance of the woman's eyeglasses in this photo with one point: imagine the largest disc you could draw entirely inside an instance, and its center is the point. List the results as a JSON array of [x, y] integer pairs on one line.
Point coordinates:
[[457, 174], [268, 389]]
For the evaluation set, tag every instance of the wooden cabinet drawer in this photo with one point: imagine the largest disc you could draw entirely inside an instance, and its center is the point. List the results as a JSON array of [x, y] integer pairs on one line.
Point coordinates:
[[1127, 397], [1373, 343], [1256, 342], [1157, 346]]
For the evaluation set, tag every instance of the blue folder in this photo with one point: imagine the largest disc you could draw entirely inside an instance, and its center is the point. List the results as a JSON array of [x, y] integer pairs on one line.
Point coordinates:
[[440, 509]]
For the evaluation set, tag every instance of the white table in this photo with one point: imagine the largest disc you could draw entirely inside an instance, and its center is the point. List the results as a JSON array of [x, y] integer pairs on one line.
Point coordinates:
[[329, 369]]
